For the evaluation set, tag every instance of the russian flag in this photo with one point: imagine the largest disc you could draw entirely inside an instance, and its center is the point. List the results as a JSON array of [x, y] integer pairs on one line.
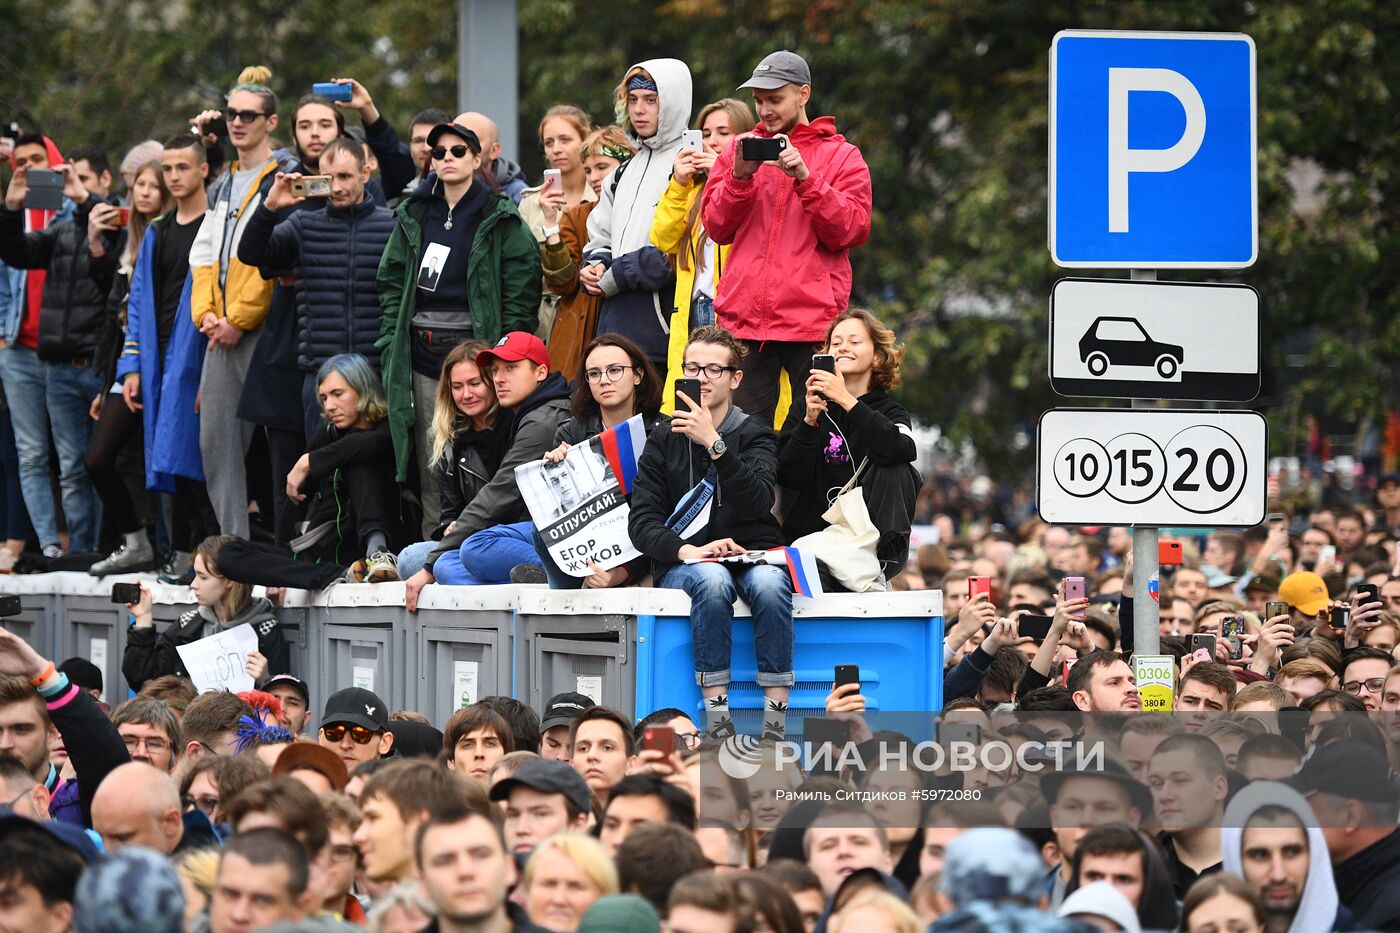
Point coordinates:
[[802, 568], [622, 446]]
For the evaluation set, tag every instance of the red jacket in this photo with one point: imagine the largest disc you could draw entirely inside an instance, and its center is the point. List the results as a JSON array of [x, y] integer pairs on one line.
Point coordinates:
[[789, 274]]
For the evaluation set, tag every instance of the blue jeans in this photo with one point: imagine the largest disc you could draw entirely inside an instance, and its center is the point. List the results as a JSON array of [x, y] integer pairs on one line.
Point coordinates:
[[488, 556], [712, 588], [53, 396], [415, 557]]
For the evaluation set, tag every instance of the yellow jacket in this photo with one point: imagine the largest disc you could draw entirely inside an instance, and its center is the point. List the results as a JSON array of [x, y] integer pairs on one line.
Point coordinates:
[[245, 295], [667, 229]]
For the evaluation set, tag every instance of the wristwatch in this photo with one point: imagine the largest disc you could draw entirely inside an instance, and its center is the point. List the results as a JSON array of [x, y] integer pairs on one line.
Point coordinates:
[[549, 231], [717, 449]]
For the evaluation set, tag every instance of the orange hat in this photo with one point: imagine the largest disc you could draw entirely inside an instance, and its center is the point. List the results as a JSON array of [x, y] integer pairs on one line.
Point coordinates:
[[1305, 592]]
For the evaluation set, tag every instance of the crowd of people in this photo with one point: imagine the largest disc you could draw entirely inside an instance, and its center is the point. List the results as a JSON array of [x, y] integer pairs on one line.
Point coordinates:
[[292, 362]]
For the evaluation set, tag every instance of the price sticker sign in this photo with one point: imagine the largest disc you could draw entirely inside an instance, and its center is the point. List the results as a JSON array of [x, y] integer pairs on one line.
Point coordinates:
[[1152, 467], [1156, 681]]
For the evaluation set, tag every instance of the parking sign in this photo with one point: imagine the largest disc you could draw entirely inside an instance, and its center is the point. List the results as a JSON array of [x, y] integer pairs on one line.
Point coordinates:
[[1152, 150]]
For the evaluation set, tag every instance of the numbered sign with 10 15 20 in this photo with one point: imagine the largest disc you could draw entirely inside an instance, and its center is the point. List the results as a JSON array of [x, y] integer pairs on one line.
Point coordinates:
[[1151, 467]]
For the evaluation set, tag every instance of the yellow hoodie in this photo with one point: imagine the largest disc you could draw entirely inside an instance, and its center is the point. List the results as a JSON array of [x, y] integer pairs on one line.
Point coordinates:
[[245, 294]]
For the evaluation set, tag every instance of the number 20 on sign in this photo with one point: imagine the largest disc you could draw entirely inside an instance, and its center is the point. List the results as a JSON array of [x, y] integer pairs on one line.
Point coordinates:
[[1100, 466]]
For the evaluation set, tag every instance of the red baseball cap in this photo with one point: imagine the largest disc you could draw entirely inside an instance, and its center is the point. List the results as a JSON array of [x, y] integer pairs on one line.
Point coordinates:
[[516, 345]]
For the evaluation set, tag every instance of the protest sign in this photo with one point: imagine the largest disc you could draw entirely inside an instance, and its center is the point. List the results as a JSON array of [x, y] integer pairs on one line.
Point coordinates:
[[579, 505], [219, 662]]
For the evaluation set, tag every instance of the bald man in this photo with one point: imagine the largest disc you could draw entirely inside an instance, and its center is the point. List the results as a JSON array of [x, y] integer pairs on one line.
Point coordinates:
[[138, 805], [503, 172]]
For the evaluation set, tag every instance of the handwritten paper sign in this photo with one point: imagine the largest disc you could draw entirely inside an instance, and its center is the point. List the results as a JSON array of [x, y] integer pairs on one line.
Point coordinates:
[[219, 662]]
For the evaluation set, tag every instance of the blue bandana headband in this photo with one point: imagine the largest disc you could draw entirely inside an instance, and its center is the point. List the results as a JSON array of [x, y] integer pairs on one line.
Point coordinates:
[[641, 83]]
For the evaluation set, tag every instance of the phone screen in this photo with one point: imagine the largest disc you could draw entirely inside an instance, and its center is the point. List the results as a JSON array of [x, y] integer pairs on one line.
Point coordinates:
[[1034, 626]]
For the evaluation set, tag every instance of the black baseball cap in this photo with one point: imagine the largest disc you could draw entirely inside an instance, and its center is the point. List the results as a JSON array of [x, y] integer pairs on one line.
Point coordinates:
[[290, 680], [777, 69], [563, 709], [456, 129], [1111, 770], [357, 707], [1348, 770], [82, 673], [547, 777]]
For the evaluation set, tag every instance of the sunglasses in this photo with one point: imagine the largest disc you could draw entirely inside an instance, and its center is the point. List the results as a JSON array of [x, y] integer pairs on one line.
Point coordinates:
[[458, 152], [243, 116], [358, 734]]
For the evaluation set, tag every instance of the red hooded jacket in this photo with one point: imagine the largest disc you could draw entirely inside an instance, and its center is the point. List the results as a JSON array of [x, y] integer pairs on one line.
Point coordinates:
[[789, 273], [34, 278]]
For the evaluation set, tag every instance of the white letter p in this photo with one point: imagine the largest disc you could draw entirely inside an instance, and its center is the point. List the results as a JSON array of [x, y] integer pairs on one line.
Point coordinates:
[[1123, 161]]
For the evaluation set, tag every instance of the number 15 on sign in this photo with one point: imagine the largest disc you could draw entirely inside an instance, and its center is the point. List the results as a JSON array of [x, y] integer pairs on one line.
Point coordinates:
[[1146, 467]]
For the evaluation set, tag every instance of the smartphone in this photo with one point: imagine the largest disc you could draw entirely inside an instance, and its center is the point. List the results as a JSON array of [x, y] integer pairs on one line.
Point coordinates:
[[825, 362], [979, 586], [691, 389], [1032, 626], [215, 127], [45, 190], [126, 593], [1369, 593], [1073, 588], [761, 148], [312, 186], [949, 732], [847, 674], [1275, 518], [1276, 607], [1232, 630], [9, 606], [1204, 641], [1169, 553], [553, 180], [122, 217], [661, 738], [1327, 554], [694, 140], [332, 91], [1339, 618]]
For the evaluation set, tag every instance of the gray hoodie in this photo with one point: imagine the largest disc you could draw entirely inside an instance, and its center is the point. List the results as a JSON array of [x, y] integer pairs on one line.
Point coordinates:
[[638, 283]]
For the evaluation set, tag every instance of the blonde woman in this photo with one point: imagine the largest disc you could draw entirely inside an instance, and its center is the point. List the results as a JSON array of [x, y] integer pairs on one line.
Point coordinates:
[[875, 911], [563, 129], [677, 230], [222, 604], [563, 878]]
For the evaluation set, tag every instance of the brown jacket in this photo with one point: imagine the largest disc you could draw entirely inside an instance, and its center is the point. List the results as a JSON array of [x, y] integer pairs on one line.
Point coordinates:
[[577, 317]]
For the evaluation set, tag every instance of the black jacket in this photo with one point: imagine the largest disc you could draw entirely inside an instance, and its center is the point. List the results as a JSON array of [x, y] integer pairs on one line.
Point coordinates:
[[150, 654], [334, 254], [331, 452], [533, 425], [397, 170], [476, 455], [1368, 884], [742, 508], [73, 311], [94, 745], [814, 462]]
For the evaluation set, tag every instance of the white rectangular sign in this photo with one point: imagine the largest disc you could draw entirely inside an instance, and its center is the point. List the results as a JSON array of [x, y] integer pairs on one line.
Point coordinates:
[[1120, 466], [219, 662], [1118, 338]]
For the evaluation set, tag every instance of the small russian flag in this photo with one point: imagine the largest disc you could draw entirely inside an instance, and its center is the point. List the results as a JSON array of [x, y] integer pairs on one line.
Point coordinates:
[[622, 446], [802, 568]]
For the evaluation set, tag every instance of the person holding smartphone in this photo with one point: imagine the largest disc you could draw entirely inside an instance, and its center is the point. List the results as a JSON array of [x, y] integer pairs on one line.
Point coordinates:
[[846, 418], [678, 231], [722, 463], [791, 222]]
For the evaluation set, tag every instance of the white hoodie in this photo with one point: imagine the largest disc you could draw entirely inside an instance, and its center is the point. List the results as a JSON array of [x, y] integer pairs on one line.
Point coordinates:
[[1317, 910]]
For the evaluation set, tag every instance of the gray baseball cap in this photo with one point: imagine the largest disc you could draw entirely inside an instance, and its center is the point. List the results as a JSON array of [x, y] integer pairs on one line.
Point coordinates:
[[777, 69]]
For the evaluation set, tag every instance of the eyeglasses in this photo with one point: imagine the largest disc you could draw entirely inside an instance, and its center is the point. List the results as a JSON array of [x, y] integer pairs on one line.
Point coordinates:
[[242, 116], [155, 746], [204, 803], [359, 734], [1371, 685], [614, 373], [712, 371], [458, 152], [345, 854], [688, 739]]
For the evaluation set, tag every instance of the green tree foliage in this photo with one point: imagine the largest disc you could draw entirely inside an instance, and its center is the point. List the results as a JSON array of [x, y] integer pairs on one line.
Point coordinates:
[[946, 98]]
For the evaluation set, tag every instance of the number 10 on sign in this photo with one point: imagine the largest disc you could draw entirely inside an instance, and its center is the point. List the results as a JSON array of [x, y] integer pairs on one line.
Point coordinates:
[[1139, 467]]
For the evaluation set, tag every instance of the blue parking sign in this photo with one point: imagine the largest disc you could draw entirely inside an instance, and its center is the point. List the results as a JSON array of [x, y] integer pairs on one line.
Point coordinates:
[[1152, 150]]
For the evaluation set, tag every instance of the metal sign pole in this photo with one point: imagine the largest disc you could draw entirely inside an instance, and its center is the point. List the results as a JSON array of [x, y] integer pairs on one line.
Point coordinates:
[[1146, 638]]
